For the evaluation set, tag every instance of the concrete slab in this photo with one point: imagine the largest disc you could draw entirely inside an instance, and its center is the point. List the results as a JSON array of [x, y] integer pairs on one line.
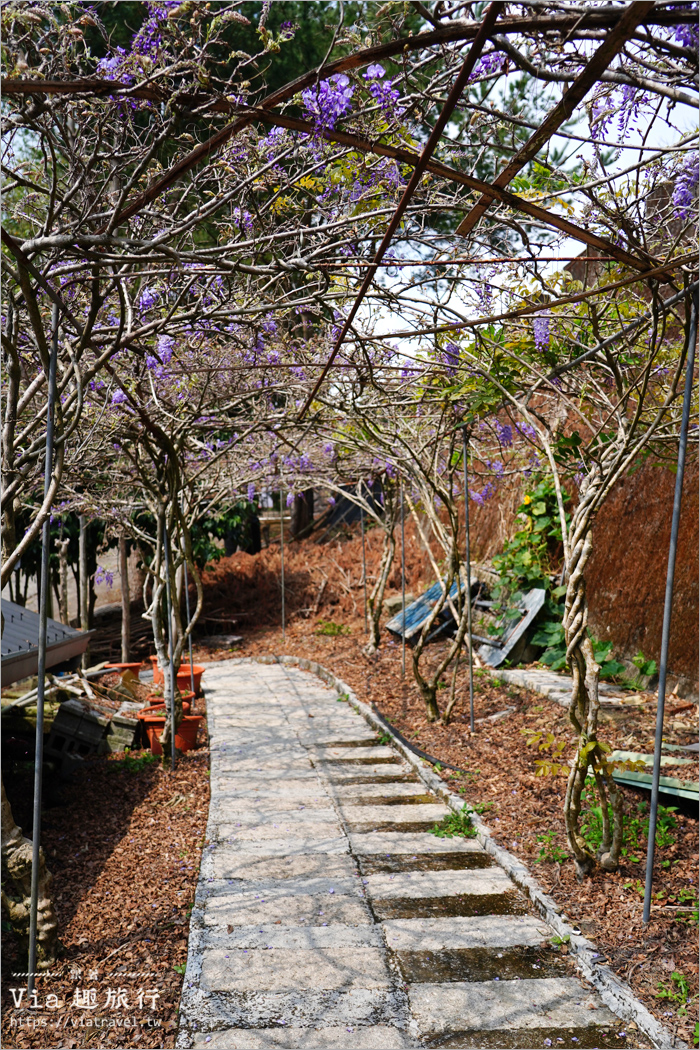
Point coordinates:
[[351, 754], [351, 1037], [554, 1002], [388, 842], [438, 883], [371, 790], [393, 814], [240, 864], [299, 938], [286, 970], [287, 847], [482, 931], [307, 910]]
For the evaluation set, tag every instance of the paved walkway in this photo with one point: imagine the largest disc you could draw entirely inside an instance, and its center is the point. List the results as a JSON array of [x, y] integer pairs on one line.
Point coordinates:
[[328, 916]]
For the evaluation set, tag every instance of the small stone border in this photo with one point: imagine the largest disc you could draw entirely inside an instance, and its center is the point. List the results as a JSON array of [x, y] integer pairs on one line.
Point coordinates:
[[615, 993]]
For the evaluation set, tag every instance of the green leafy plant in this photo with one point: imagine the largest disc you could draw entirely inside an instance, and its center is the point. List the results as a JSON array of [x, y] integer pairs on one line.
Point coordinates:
[[550, 853], [677, 993], [455, 824], [385, 738], [331, 629], [644, 666], [180, 967], [636, 828], [131, 764]]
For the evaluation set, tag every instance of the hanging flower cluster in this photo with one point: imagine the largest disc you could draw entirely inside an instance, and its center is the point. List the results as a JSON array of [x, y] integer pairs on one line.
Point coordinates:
[[685, 190], [328, 102]]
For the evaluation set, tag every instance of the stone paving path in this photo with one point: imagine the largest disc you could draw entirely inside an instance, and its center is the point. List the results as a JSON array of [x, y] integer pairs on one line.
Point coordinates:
[[328, 916]]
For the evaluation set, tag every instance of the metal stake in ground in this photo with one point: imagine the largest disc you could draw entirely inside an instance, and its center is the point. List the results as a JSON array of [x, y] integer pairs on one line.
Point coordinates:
[[284, 640], [41, 660], [668, 604], [171, 655], [189, 636], [403, 587], [364, 564], [465, 449]]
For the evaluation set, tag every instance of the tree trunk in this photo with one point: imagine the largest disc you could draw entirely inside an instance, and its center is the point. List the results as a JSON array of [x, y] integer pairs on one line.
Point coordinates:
[[126, 598], [302, 514], [584, 708], [17, 865], [83, 581], [376, 598]]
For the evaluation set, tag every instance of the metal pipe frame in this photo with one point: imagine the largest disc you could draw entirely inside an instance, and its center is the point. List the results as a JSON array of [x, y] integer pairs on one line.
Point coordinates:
[[41, 662], [171, 654], [668, 604], [470, 643]]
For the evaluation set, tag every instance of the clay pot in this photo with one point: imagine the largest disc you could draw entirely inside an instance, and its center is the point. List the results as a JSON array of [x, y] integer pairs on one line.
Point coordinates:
[[185, 737], [184, 680], [158, 701], [134, 668]]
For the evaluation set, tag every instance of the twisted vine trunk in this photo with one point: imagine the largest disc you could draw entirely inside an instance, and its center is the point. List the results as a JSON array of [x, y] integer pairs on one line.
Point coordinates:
[[376, 598], [584, 706], [16, 893]]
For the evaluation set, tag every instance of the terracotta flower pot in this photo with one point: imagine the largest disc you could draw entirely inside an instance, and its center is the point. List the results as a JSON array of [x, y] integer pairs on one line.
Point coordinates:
[[184, 679], [134, 668], [185, 737], [153, 700]]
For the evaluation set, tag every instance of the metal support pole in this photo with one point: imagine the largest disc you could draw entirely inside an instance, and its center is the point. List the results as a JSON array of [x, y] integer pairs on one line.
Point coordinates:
[[668, 604], [364, 564], [41, 665], [189, 636], [465, 449], [171, 656], [284, 638], [403, 588]]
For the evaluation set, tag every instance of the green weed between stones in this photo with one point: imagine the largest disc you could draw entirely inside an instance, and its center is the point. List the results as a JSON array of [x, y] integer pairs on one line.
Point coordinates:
[[459, 823]]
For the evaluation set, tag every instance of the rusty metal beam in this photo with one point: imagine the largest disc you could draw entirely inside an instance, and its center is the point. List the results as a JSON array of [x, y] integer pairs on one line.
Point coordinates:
[[405, 156], [489, 20], [572, 97]]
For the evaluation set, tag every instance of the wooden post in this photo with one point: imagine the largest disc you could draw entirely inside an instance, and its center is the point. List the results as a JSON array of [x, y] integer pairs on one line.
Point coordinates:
[[126, 598]]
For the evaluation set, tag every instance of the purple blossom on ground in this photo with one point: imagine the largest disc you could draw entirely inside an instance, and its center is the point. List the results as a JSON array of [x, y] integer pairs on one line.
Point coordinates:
[[540, 330], [328, 102], [119, 397], [686, 188]]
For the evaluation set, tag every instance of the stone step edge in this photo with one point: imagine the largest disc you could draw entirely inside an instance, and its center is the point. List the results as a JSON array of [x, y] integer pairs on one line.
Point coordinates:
[[615, 993]]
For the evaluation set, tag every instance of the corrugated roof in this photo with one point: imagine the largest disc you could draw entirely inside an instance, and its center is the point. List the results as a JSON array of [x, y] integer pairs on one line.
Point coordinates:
[[20, 642]]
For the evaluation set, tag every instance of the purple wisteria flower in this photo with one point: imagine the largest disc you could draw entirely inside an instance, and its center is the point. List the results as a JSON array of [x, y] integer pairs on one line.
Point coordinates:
[[382, 91], [290, 499], [148, 299], [251, 492], [685, 190], [451, 358], [328, 102], [540, 330], [104, 576], [504, 433], [119, 397]]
